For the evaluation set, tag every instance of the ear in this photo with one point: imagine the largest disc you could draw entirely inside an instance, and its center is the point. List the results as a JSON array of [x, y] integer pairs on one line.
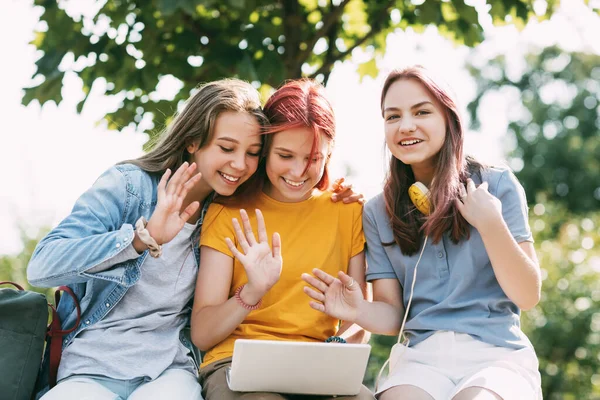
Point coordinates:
[[192, 146]]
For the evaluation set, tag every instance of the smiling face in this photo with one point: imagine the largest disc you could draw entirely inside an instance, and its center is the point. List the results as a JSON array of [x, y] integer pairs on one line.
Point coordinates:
[[415, 127], [289, 179], [231, 156]]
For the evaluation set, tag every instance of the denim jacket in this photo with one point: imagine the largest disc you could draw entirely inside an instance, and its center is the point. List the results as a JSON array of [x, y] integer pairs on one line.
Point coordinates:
[[99, 227]]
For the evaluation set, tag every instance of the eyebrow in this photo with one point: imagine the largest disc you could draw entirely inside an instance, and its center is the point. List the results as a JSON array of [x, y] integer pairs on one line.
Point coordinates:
[[232, 140], [291, 152], [412, 107]]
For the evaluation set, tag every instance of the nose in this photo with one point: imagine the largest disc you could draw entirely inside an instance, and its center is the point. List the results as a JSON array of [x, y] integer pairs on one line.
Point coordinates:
[[407, 125], [238, 162], [297, 169]]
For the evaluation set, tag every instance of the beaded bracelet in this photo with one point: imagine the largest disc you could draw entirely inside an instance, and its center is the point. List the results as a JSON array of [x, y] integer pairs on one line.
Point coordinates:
[[335, 339], [247, 306]]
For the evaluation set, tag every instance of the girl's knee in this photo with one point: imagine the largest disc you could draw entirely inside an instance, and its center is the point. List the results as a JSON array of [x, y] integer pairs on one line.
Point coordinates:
[[476, 393], [405, 392]]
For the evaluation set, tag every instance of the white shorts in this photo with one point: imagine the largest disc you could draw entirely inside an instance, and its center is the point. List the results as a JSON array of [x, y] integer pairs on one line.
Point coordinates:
[[448, 362]]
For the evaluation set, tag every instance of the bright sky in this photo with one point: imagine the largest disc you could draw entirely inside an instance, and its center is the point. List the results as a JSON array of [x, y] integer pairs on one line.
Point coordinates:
[[51, 155]]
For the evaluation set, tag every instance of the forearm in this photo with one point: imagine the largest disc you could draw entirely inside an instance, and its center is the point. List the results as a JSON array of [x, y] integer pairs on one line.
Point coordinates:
[[353, 333], [212, 324], [380, 318], [516, 272]]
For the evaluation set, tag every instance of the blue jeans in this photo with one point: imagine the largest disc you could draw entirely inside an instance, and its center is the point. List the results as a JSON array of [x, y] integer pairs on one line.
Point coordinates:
[[171, 384]]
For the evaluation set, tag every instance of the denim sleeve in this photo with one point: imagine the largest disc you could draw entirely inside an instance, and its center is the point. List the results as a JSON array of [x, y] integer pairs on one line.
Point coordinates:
[[378, 263], [514, 207], [93, 234]]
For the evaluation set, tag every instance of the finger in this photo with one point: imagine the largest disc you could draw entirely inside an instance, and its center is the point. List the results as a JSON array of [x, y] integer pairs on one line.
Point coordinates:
[[189, 211], [185, 177], [355, 198], [462, 194], [460, 206], [175, 179], [317, 306], [470, 185], [348, 282], [276, 245], [314, 294], [247, 227], [484, 186], [163, 182], [340, 194], [336, 184], [239, 234], [262, 229], [190, 184], [236, 253], [324, 276], [316, 283]]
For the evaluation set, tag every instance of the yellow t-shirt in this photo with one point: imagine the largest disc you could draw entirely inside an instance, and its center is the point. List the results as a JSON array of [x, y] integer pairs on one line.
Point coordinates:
[[315, 233]]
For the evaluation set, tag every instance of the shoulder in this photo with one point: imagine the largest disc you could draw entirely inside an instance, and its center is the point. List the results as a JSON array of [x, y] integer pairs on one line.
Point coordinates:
[[136, 180], [499, 178], [323, 200], [215, 213], [375, 207]]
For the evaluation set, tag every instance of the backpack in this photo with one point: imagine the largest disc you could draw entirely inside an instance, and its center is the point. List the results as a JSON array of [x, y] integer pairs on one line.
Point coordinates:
[[23, 330]]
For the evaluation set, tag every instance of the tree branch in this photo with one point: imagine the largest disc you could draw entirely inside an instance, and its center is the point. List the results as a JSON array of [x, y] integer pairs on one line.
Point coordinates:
[[329, 20]]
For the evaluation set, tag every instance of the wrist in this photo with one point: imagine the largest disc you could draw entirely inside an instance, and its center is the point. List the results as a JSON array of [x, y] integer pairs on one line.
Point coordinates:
[[251, 295], [491, 226], [361, 312], [247, 298]]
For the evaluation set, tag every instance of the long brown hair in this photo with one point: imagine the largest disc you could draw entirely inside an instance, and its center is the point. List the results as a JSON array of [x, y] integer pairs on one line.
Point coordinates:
[[197, 120], [451, 170]]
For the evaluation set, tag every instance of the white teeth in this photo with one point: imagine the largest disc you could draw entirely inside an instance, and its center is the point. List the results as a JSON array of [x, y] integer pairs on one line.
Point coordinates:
[[292, 183], [229, 177], [409, 142]]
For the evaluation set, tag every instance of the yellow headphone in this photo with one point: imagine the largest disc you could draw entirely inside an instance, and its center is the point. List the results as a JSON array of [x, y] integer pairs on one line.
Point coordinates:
[[419, 194]]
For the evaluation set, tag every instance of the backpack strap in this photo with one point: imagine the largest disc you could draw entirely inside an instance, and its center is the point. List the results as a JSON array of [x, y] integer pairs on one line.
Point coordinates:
[[12, 283], [55, 333]]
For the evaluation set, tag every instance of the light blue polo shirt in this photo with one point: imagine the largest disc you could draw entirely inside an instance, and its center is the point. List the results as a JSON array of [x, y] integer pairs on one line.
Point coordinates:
[[456, 288]]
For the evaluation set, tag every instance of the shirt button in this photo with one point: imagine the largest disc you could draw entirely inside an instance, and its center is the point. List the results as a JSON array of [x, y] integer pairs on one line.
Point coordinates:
[[125, 240], [65, 342], [440, 254], [107, 304], [118, 245], [87, 322]]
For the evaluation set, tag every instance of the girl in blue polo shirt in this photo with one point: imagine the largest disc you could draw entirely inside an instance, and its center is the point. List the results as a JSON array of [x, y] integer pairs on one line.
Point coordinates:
[[452, 268]]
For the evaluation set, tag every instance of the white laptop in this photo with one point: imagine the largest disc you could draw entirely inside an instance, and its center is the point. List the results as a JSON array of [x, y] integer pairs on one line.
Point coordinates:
[[298, 367]]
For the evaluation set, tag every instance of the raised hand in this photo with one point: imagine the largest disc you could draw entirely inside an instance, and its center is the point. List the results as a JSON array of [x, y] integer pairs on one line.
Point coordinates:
[[168, 219], [478, 206], [337, 297], [262, 264], [343, 191]]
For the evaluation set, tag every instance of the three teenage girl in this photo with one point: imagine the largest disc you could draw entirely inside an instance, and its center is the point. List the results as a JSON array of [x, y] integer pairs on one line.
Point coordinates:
[[458, 275]]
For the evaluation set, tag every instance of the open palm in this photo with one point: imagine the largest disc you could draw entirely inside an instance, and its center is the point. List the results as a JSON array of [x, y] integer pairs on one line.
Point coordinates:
[[168, 219], [262, 264], [337, 297]]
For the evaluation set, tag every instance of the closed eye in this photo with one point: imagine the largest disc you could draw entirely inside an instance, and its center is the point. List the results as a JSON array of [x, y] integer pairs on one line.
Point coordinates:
[[285, 156], [226, 149], [253, 154]]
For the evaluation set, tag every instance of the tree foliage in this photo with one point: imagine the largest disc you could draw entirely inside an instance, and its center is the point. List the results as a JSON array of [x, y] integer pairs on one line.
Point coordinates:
[[556, 124], [132, 45]]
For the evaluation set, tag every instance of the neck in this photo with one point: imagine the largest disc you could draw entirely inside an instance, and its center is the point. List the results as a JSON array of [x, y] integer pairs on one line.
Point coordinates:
[[198, 193], [423, 174]]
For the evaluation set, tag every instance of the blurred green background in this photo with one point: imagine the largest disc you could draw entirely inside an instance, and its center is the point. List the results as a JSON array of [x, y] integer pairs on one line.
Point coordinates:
[[553, 140]]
